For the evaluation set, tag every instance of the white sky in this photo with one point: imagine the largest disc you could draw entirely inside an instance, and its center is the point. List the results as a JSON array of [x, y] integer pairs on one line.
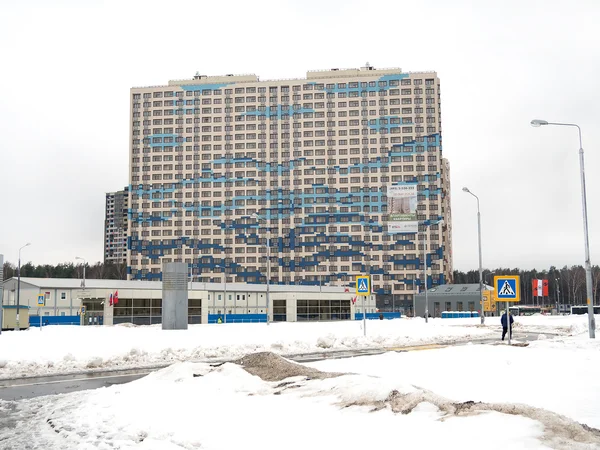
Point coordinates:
[[67, 67]]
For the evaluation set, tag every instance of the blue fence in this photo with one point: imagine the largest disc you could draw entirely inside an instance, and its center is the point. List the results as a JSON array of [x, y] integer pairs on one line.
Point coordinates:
[[237, 318], [34, 321], [373, 316], [459, 314]]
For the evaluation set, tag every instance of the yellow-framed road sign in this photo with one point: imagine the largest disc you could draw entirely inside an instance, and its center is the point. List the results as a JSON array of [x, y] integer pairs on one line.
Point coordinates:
[[507, 288], [363, 285]]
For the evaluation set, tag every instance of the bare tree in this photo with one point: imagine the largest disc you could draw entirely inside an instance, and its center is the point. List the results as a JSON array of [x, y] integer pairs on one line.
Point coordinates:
[[577, 280], [596, 283]]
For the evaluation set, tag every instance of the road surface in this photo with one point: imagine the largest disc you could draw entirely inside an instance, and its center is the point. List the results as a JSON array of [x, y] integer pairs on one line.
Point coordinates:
[[22, 388]]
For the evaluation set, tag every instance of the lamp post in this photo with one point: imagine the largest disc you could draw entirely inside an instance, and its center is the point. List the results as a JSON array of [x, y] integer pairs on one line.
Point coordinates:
[[465, 189], [268, 246], [17, 328], [588, 265], [84, 264], [557, 280]]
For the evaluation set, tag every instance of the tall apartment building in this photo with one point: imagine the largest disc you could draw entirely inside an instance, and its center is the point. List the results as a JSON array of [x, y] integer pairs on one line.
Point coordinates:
[[222, 167], [115, 226]]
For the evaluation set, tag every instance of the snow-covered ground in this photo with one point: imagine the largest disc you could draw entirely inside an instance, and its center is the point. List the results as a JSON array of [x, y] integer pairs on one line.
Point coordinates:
[[69, 349], [61, 349], [396, 400]]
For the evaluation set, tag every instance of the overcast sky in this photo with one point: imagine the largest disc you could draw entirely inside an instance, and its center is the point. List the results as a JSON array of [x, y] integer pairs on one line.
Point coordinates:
[[67, 67]]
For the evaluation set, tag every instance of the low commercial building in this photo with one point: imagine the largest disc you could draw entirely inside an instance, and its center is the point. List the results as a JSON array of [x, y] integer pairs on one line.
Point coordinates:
[[140, 302], [450, 297]]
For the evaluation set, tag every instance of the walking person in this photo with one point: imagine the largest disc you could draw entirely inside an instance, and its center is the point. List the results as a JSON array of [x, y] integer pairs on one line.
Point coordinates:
[[504, 321]]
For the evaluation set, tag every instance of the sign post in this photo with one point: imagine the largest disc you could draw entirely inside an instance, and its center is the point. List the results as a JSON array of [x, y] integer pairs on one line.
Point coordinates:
[[41, 302], [508, 289], [363, 288]]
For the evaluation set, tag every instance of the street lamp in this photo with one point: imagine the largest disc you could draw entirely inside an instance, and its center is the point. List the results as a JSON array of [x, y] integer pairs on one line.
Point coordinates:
[[465, 189], [588, 265], [84, 264], [557, 280], [17, 328], [268, 246]]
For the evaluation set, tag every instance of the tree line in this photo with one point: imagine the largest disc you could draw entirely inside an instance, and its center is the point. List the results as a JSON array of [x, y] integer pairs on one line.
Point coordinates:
[[99, 270], [566, 285]]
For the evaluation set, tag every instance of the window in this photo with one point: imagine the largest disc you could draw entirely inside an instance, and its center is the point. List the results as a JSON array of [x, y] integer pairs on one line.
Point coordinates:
[[63, 295]]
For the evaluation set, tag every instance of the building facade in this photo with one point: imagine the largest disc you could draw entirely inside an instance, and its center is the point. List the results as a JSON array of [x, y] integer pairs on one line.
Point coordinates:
[[116, 226], [451, 297], [227, 170], [140, 302]]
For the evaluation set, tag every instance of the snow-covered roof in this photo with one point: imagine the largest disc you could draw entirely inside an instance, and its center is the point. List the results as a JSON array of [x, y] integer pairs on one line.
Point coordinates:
[[458, 289], [75, 283]]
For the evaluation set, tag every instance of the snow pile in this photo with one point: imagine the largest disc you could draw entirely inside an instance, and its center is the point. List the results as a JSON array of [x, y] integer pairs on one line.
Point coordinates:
[[68, 349], [564, 325], [201, 406], [560, 375]]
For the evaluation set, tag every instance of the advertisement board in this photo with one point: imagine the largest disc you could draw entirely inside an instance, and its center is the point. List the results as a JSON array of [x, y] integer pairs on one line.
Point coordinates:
[[402, 208]]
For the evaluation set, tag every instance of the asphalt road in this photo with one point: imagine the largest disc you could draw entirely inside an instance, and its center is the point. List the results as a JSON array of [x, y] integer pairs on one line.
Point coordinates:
[[17, 389]]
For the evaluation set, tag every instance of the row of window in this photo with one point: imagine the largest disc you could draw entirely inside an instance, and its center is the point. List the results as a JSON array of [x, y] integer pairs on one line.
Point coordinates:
[[157, 221], [274, 155], [285, 146], [285, 126], [274, 183], [251, 114], [283, 89], [428, 110], [261, 192], [342, 160], [286, 99], [159, 216], [253, 173], [274, 278], [383, 128], [275, 99]]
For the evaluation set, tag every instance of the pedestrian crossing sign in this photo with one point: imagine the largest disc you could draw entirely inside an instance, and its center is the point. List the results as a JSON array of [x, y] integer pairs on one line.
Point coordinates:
[[507, 288], [363, 285]]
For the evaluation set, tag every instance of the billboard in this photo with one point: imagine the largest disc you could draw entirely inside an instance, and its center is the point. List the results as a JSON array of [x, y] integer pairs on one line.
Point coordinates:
[[402, 209]]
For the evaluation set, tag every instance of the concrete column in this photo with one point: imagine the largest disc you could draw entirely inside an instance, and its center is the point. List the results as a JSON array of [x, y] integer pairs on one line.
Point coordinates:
[[174, 296]]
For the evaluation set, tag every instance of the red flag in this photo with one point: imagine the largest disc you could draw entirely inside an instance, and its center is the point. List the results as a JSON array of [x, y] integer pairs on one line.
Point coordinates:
[[537, 288], [346, 290], [540, 288], [116, 297], [111, 300], [354, 300]]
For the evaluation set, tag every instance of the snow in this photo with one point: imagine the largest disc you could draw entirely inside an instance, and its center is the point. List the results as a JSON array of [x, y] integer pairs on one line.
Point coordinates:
[[560, 375], [532, 397], [226, 408], [74, 349], [71, 349]]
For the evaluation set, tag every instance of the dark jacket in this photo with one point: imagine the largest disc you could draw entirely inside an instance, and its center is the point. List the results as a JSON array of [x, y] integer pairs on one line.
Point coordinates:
[[503, 320]]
